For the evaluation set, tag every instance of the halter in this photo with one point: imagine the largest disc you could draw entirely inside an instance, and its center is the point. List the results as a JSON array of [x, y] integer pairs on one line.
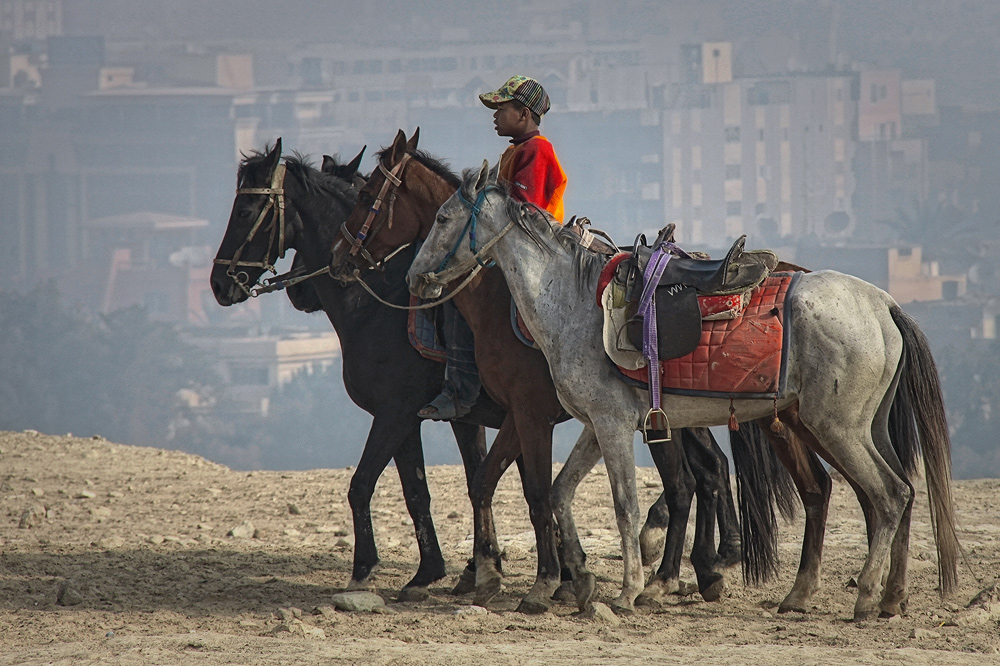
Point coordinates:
[[443, 274], [359, 241], [276, 201]]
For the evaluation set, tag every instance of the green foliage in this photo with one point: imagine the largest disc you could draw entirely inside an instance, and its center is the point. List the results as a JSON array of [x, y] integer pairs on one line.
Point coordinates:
[[117, 376]]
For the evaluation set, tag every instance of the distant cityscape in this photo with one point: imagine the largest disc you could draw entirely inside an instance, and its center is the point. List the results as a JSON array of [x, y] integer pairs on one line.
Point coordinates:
[[120, 156]]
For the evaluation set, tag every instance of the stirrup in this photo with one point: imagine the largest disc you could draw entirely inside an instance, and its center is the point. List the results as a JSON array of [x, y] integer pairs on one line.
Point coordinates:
[[656, 421]]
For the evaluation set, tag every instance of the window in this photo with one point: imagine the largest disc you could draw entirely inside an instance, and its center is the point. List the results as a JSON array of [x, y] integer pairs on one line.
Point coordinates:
[[732, 135], [732, 172], [734, 208]]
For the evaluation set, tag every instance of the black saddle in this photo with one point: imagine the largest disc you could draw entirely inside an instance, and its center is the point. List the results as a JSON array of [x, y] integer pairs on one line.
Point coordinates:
[[678, 315], [739, 271]]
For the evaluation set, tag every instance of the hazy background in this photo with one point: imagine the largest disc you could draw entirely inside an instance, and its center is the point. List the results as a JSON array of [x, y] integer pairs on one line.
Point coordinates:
[[118, 158]]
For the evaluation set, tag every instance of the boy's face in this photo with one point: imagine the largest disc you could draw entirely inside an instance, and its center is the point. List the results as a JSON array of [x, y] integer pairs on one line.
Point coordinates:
[[509, 119]]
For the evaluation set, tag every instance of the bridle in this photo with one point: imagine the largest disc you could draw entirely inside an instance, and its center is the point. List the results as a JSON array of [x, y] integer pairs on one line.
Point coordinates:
[[443, 274], [276, 229], [387, 193]]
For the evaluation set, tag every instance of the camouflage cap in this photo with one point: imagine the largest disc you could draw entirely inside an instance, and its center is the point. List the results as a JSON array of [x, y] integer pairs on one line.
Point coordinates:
[[523, 89]]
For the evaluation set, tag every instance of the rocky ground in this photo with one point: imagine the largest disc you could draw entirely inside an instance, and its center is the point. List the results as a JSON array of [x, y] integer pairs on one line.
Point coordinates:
[[129, 555]]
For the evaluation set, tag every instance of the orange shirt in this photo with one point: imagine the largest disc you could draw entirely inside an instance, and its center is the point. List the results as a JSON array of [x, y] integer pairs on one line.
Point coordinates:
[[533, 173]]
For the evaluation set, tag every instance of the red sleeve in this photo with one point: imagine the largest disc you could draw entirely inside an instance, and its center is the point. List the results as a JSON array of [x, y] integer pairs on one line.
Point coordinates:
[[535, 173]]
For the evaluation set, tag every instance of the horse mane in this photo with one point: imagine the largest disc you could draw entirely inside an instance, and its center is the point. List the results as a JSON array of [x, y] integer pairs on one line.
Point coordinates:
[[436, 165], [254, 164], [537, 224]]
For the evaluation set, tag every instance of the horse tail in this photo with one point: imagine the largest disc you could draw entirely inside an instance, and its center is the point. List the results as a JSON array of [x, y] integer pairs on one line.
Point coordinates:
[[903, 431], [920, 389], [761, 484]]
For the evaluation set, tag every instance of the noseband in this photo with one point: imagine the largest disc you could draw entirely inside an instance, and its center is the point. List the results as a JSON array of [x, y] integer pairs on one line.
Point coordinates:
[[443, 274], [359, 242], [276, 205]]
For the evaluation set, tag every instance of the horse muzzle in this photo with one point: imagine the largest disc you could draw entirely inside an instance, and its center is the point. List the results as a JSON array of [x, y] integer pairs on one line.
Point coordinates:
[[423, 286]]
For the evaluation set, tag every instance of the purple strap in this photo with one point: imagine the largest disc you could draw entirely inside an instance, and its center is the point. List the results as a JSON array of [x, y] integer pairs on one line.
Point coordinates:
[[647, 310]]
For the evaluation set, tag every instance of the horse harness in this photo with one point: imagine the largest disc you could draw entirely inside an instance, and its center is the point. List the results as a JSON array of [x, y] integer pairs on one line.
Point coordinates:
[[276, 228], [359, 241]]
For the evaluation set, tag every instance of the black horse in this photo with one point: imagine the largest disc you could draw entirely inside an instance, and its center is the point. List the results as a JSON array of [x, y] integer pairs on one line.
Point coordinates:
[[383, 374]]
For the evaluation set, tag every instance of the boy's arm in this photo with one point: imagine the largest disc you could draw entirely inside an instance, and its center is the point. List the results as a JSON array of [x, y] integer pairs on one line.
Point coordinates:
[[535, 173]]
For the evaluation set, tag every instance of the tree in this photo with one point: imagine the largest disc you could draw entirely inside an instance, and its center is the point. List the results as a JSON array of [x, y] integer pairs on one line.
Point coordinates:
[[117, 375]]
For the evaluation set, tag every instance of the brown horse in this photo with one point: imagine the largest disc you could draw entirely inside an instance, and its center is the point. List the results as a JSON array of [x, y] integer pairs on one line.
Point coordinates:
[[396, 207]]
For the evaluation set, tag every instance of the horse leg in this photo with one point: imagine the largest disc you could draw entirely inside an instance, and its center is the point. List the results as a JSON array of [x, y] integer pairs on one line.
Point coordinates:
[[585, 454], [615, 440], [486, 551], [654, 531], [883, 495], [678, 489], [730, 544], [384, 439], [413, 478], [707, 469], [814, 486], [894, 595], [535, 435], [471, 441]]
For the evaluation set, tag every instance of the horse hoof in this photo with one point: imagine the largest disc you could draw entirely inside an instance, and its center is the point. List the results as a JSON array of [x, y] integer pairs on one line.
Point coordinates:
[[651, 600], [486, 590], [532, 607], [651, 544], [863, 615], [564, 593], [584, 589], [621, 607], [466, 583], [791, 608], [367, 585], [793, 604], [656, 591], [414, 593], [715, 589]]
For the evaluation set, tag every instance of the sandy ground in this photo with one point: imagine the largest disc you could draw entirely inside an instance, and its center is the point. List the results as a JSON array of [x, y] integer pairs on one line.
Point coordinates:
[[121, 554]]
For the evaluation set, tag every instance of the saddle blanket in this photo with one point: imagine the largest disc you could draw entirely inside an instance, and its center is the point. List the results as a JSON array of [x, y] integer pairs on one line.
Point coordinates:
[[421, 328], [744, 357]]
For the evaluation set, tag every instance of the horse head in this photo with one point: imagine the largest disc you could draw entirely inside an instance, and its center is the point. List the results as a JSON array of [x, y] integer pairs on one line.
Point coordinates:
[[444, 254], [255, 237], [395, 206]]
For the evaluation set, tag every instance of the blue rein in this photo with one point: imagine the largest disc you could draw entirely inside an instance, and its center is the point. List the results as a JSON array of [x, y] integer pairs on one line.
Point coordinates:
[[470, 227]]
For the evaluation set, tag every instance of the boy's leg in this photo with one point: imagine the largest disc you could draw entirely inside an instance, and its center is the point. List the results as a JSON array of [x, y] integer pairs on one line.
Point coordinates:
[[461, 383]]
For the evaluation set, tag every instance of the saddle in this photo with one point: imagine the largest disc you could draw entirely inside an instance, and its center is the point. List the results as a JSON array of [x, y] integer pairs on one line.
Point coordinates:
[[685, 278]]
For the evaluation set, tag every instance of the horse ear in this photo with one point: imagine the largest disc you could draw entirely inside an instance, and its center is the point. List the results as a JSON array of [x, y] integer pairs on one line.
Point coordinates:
[[494, 174], [273, 156], [329, 164], [412, 143], [398, 147], [355, 164], [484, 176]]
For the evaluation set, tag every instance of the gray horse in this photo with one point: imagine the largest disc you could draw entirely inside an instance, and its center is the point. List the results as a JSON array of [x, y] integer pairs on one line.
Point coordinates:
[[852, 345]]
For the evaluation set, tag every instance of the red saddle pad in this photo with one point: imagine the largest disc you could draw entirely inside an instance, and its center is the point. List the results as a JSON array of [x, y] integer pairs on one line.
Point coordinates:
[[744, 357]]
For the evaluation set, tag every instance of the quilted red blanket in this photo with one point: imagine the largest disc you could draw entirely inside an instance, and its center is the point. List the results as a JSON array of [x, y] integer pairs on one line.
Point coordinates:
[[743, 357]]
